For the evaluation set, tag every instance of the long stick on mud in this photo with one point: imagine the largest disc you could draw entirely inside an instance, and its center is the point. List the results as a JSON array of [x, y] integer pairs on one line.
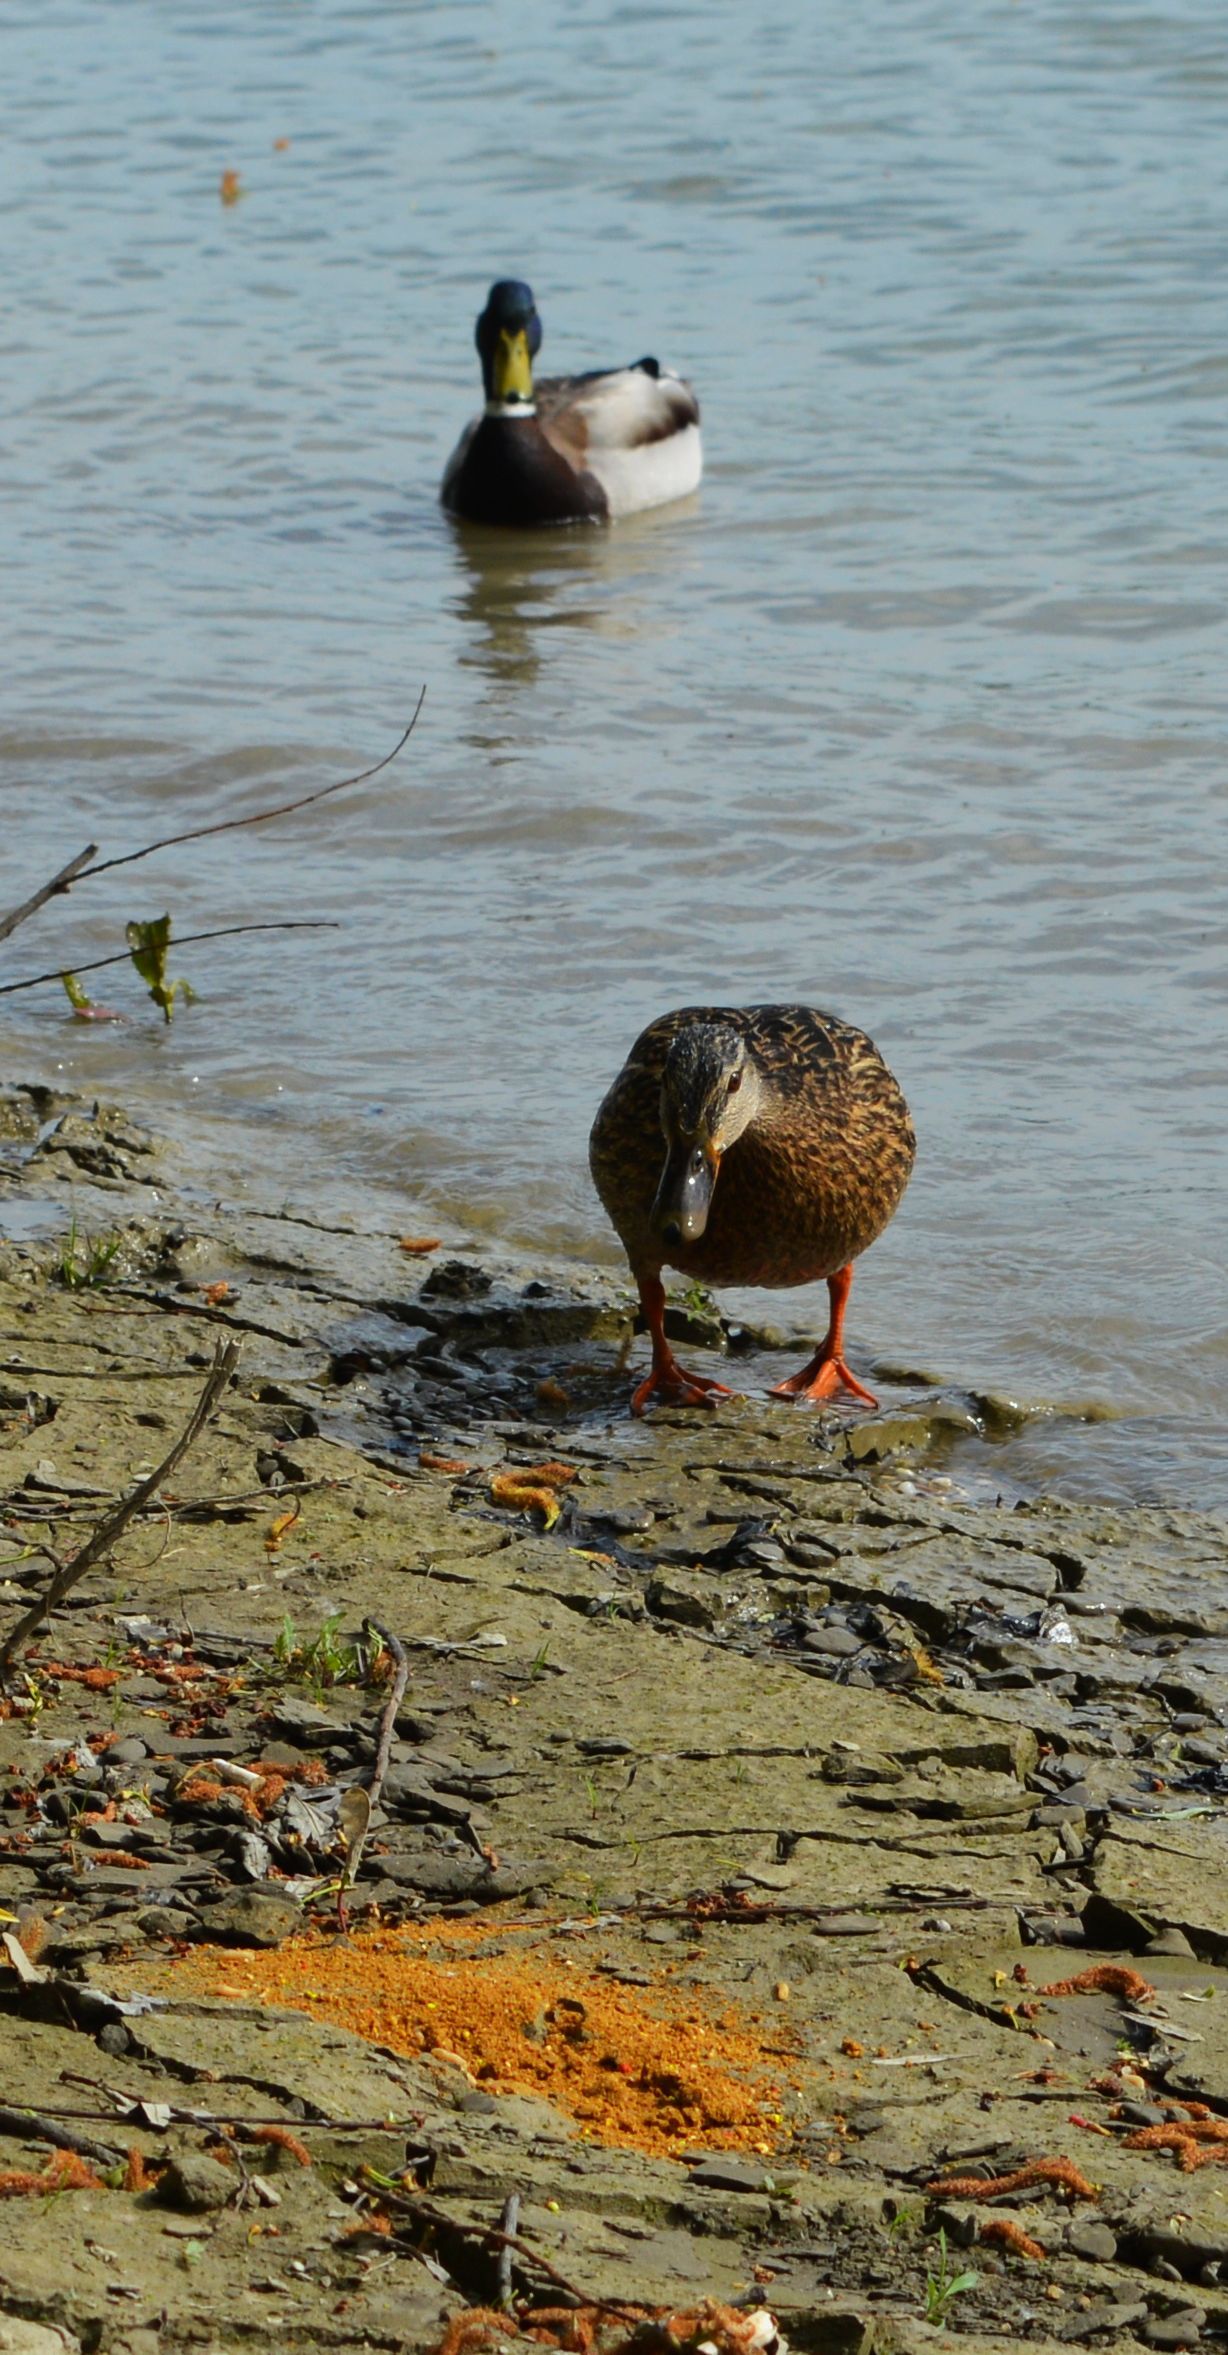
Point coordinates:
[[113, 1524]]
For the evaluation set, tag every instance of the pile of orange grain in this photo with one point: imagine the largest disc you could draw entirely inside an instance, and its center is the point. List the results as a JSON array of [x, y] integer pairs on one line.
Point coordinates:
[[645, 2069]]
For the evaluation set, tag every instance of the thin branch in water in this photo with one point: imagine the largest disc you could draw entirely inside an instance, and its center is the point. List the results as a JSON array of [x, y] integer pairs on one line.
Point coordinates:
[[30, 907], [124, 956], [113, 1524], [285, 809]]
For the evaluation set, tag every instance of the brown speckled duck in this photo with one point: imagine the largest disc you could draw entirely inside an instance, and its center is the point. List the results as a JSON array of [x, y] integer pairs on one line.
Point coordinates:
[[752, 1145], [567, 449]]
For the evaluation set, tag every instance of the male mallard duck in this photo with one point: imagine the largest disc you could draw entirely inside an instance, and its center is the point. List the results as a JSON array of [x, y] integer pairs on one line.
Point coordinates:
[[762, 1145], [571, 449]]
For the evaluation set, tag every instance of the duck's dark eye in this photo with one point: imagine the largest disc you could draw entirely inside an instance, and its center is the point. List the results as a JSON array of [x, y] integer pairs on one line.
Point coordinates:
[[697, 1159], [733, 1085]]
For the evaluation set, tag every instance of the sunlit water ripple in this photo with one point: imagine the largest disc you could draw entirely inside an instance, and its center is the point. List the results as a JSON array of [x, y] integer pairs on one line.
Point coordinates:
[[917, 711]]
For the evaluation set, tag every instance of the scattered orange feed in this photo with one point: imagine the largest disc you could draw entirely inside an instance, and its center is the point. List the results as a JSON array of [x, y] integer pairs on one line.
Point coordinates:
[[1009, 2234], [1061, 2173], [652, 2071], [1106, 1978]]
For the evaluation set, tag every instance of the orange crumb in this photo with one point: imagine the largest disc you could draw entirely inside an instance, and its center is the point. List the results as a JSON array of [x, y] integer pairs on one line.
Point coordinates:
[[1011, 2235], [529, 1488], [33, 1935], [64, 2171], [282, 2138], [852, 2048], [136, 2174], [1110, 1978], [552, 1393], [431, 1463], [229, 189], [418, 1245], [1061, 2173], [95, 1680]]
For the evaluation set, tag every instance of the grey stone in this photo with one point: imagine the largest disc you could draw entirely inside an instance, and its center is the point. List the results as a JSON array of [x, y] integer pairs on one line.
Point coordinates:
[[721, 2171], [840, 1642], [251, 1917], [1171, 1941], [1092, 2239], [165, 1921], [1174, 2330], [301, 1722], [196, 2183]]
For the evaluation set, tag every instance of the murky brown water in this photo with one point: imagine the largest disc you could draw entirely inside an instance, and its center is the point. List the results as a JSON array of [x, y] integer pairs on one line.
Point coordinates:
[[918, 710]]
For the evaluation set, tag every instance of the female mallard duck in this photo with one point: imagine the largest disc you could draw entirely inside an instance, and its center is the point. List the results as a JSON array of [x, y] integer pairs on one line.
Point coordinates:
[[767, 1145], [570, 449]]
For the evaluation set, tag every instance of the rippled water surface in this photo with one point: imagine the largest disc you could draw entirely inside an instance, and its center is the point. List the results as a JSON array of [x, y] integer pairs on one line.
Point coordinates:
[[917, 711]]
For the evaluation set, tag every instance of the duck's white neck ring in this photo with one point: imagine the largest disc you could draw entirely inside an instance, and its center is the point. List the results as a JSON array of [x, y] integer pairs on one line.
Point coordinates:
[[511, 409]]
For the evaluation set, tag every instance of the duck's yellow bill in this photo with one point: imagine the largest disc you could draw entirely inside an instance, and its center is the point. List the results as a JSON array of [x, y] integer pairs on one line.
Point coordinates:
[[513, 369]]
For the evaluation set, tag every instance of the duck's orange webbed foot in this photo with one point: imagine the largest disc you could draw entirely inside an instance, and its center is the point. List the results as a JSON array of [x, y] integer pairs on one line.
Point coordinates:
[[666, 1379], [824, 1377], [669, 1382], [827, 1375]]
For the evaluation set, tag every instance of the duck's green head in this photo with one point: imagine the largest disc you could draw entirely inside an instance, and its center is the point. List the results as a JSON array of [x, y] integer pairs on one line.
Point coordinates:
[[508, 336], [711, 1089]]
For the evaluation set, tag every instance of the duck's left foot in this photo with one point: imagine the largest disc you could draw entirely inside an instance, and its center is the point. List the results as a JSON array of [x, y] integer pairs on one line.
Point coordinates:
[[824, 1377], [669, 1382]]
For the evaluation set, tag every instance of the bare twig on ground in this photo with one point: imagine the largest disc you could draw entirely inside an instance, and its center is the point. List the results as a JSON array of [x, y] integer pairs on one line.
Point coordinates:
[[422, 2211], [388, 1719], [356, 1807], [46, 891], [116, 1521], [35, 2126], [508, 2223]]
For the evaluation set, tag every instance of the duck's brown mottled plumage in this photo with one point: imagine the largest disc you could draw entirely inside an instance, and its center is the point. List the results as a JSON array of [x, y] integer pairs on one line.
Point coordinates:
[[798, 1195]]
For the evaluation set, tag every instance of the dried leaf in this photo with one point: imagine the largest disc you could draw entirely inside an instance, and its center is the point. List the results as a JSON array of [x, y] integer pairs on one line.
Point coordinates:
[[277, 1529]]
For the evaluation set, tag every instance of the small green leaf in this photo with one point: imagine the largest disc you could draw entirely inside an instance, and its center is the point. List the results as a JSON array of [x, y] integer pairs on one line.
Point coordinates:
[[78, 998], [148, 947]]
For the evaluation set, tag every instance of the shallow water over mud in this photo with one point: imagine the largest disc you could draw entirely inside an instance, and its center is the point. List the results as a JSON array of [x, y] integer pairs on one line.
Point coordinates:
[[916, 711]]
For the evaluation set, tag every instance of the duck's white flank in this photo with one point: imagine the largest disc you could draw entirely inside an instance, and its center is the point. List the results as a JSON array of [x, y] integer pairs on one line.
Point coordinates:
[[641, 436]]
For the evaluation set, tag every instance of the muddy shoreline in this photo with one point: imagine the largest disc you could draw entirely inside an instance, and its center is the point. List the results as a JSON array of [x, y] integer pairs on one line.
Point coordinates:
[[924, 1753]]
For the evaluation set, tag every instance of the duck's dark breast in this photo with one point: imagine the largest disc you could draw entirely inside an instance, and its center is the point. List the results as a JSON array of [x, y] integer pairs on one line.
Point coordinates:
[[510, 475]]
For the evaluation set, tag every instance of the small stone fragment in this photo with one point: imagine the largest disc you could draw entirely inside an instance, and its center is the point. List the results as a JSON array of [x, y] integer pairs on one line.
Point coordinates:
[[196, 2183], [1094, 2240]]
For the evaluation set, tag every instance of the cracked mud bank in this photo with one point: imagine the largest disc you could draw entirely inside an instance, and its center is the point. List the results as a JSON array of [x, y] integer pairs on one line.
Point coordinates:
[[755, 1714]]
